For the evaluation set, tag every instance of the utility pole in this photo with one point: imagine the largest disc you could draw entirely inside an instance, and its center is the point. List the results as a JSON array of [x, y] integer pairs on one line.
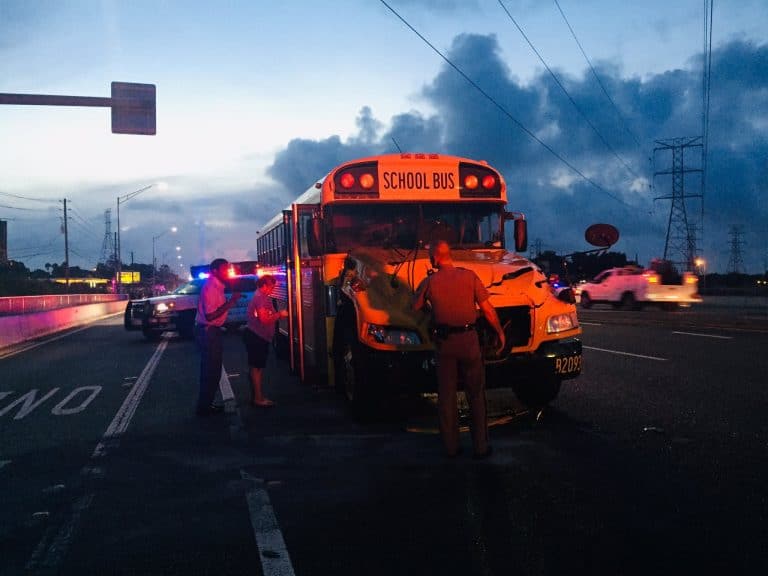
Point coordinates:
[[66, 245]]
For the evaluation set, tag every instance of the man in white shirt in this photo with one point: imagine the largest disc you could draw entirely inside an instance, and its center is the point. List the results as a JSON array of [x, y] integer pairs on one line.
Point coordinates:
[[212, 309]]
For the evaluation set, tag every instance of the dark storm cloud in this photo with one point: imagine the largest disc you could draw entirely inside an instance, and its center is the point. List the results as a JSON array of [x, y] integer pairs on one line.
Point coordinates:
[[304, 162], [559, 202]]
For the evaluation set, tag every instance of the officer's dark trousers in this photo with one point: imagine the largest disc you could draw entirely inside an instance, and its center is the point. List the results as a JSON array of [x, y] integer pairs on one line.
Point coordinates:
[[209, 340], [459, 354]]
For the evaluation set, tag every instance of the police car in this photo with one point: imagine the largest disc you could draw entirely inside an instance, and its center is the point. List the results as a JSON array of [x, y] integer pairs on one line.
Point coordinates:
[[176, 311]]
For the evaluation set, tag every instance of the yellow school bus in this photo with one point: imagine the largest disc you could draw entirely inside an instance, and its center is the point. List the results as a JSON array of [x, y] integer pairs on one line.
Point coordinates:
[[349, 253]]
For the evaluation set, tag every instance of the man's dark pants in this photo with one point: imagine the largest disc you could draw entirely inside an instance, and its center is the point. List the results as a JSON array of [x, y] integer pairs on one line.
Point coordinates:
[[460, 354], [209, 339]]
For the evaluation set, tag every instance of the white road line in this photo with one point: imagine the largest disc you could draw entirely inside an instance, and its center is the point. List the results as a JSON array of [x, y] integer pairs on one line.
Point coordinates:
[[54, 545], [225, 387], [123, 417], [275, 560], [626, 353], [704, 335], [591, 323]]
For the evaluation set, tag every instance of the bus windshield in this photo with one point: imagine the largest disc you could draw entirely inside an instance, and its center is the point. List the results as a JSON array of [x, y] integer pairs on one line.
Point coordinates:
[[410, 225]]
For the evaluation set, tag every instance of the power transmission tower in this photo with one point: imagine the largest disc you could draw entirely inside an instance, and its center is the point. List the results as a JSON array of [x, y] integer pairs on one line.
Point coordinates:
[[685, 218], [735, 261], [107, 246]]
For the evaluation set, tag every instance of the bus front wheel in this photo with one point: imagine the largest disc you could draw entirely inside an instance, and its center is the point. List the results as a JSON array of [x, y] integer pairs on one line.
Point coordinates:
[[536, 394]]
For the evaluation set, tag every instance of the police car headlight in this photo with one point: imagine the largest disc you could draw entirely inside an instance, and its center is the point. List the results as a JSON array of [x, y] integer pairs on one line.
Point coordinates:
[[390, 335], [162, 308], [561, 323]]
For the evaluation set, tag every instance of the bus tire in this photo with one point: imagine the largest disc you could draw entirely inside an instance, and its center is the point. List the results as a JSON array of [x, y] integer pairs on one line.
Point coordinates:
[[536, 394]]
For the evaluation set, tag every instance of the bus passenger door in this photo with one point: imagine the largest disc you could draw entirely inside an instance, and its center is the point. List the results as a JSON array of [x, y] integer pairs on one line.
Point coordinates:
[[308, 336]]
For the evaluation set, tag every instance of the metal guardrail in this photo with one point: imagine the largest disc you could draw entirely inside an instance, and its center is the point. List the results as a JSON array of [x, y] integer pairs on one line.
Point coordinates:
[[12, 305]]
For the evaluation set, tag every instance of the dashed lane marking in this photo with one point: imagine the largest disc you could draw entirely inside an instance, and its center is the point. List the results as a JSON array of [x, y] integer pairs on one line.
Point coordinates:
[[627, 354], [705, 335], [275, 560]]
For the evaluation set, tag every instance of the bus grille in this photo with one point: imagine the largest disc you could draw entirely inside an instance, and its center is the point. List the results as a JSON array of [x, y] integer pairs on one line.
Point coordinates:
[[516, 321]]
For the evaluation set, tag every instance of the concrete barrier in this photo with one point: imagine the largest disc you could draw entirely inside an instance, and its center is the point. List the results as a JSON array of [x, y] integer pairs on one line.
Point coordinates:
[[15, 329]]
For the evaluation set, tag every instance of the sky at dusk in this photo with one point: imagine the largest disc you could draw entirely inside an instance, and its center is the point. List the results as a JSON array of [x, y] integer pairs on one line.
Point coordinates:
[[258, 100]]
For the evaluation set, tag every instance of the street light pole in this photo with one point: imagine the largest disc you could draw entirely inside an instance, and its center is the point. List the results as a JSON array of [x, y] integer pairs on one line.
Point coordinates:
[[124, 198]]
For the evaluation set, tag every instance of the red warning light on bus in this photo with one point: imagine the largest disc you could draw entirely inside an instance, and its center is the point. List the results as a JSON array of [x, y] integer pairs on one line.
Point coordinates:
[[347, 180], [489, 181], [367, 181]]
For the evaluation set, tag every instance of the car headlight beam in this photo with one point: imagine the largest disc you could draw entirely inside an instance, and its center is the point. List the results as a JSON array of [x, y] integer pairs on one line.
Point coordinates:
[[162, 307]]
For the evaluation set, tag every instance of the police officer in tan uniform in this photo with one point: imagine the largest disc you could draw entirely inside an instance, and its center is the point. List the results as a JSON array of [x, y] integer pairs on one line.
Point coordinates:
[[454, 295]]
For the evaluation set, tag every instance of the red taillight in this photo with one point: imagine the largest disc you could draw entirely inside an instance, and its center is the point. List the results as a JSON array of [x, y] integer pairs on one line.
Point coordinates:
[[470, 182], [347, 180], [366, 181], [489, 181], [231, 272]]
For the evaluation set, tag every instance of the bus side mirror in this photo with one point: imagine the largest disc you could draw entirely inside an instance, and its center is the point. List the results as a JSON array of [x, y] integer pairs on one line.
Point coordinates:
[[315, 237], [520, 230], [521, 235]]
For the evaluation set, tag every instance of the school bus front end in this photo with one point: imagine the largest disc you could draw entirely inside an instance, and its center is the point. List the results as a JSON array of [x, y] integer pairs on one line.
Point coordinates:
[[352, 250], [392, 347]]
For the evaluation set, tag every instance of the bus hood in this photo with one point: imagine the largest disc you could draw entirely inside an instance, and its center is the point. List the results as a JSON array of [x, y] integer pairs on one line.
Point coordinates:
[[385, 280]]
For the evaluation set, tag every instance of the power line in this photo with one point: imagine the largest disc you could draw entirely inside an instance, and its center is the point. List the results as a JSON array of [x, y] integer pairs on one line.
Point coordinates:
[[25, 209], [567, 94], [501, 108], [594, 73], [46, 200]]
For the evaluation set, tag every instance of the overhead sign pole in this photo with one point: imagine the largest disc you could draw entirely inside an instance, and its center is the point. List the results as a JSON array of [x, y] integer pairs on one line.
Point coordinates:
[[133, 105]]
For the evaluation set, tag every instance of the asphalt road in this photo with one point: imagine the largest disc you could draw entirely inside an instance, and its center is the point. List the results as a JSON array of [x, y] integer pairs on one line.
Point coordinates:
[[652, 462]]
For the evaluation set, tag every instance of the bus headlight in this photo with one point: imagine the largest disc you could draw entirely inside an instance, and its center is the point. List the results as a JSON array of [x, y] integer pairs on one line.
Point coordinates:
[[561, 323], [394, 336]]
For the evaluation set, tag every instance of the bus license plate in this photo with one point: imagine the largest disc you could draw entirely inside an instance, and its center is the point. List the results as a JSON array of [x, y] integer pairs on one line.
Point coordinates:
[[568, 364]]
